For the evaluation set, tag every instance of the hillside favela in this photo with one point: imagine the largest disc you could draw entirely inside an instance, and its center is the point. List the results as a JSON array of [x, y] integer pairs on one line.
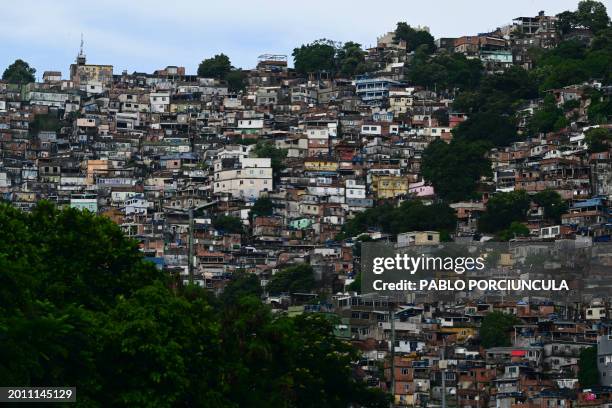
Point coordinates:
[[192, 236]]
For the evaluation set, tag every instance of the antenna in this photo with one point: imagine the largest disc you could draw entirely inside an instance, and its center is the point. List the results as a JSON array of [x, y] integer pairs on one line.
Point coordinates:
[[81, 57]]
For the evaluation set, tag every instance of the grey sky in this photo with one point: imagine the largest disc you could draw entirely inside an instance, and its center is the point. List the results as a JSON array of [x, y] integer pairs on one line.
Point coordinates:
[[148, 35]]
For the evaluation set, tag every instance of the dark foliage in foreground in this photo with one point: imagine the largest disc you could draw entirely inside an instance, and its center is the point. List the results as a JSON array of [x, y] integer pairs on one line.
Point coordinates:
[[81, 307]]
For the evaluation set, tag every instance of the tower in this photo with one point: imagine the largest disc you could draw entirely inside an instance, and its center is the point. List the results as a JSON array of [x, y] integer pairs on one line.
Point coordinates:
[[80, 60]]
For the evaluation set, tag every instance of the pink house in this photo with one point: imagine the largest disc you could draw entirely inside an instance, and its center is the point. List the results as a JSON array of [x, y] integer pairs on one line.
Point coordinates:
[[420, 189]]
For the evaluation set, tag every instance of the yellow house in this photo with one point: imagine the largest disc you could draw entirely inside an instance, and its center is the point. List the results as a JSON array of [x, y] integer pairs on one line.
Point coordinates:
[[387, 186], [320, 165], [462, 333], [84, 73], [506, 259], [418, 238]]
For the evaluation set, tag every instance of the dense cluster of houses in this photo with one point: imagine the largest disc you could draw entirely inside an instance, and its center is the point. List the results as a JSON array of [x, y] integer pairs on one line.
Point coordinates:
[[166, 155]]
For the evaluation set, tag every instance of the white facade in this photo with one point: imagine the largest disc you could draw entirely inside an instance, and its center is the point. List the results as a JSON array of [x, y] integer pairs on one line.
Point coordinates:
[[355, 190], [160, 101], [371, 129], [136, 205], [248, 177], [254, 124]]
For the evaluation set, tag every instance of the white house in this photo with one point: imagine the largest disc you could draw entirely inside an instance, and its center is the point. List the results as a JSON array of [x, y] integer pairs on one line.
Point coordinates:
[[243, 177]]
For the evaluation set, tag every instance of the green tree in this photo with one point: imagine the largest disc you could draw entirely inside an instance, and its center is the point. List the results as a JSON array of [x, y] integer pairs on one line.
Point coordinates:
[[600, 108], [553, 204], [320, 55], [515, 230], [355, 286], [414, 38], [451, 72], [503, 209], [495, 329], [455, 169], [351, 59], [411, 215], [598, 139], [164, 344], [548, 118], [81, 306], [298, 278], [441, 115], [60, 272], [566, 21], [228, 224], [497, 130], [262, 207], [266, 149], [45, 122], [217, 67], [242, 285], [572, 63], [293, 362], [19, 72], [499, 93], [236, 80], [592, 15], [588, 374]]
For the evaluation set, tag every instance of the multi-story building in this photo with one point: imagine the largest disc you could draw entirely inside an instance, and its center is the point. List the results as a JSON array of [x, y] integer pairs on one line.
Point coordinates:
[[245, 178]]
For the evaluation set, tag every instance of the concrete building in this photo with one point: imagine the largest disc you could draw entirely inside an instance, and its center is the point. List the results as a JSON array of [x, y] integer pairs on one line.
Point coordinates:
[[243, 177]]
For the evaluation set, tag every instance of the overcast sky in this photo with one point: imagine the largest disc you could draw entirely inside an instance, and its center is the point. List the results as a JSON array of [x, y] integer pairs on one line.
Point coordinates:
[[148, 35]]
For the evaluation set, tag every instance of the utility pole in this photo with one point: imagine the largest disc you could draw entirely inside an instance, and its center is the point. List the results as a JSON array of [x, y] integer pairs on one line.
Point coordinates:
[[392, 321], [443, 373], [190, 260]]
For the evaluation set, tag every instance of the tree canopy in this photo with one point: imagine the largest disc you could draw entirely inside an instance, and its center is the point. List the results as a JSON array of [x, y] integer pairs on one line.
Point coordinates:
[[451, 72], [236, 80], [548, 118], [495, 329], [266, 149], [415, 38], [228, 224], [455, 169], [325, 55], [81, 306], [262, 206], [320, 55], [500, 93], [589, 14], [489, 128], [411, 215], [298, 278], [553, 204], [588, 374], [503, 209], [598, 139], [351, 59], [19, 72], [217, 67]]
